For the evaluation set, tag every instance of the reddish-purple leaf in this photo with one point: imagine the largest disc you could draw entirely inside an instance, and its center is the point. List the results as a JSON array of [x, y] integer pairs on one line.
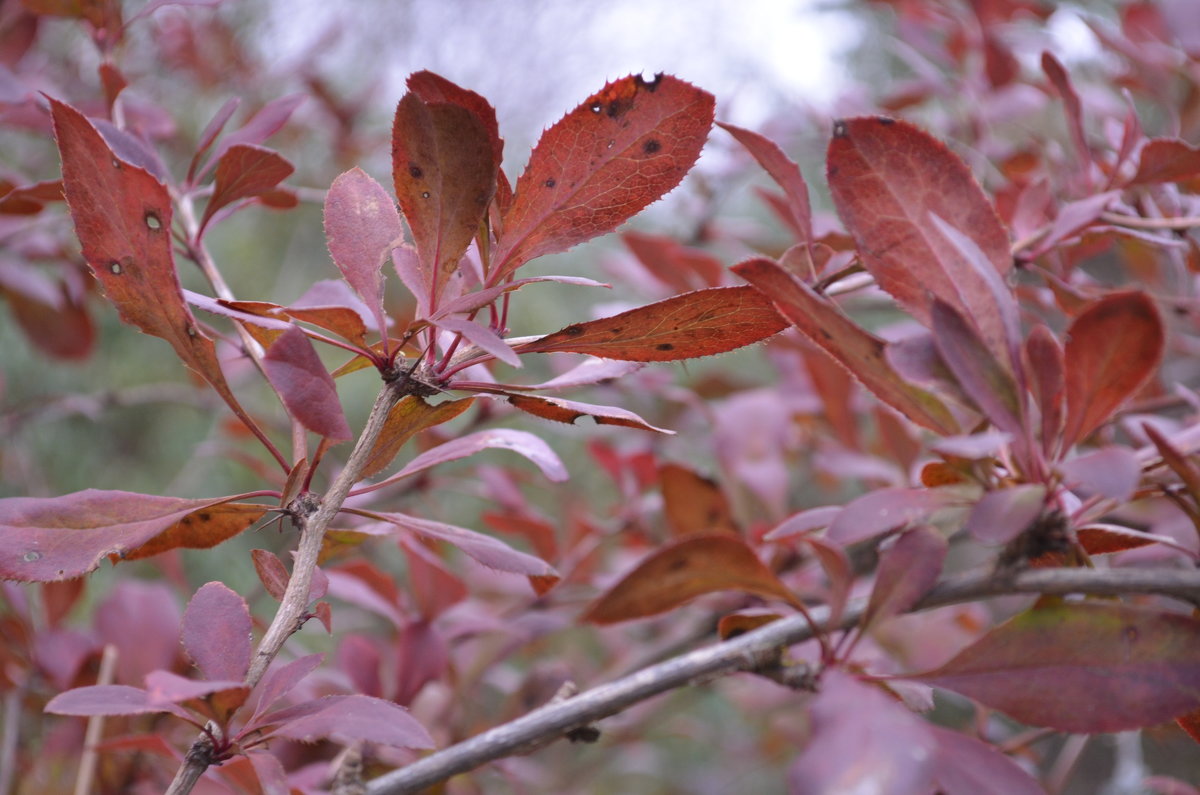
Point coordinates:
[[785, 173], [907, 570], [1111, 472], [568, 411], [481, 337], [1085, 667], [887, 509], [424, 656], [489, 551], [141, 619], [1046, 368], [58, 538], [216, 632], [281, 679], [261, 126], [1001, 515], [271, 572], [1072, 105], [836, 563], [469, 302], [164, 686], [211, 131], [855, 349], [361, 223], [1113, 347], [346, 719], [444, 164], [104, 700], [890, 181], [700, 323], [243, 172], [963, 765], [433, 88], [601, 164], [804, 522], [122, 216], [682, 570], [862, 741], [305, 386], [433, 587], [269, 771], [590, 371], [520, 442], [674, 264], [54, 318], [1167, 160], [985, 379]]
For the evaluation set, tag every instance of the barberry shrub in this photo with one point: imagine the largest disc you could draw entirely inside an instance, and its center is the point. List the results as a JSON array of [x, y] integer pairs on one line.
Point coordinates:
[[978, 385]]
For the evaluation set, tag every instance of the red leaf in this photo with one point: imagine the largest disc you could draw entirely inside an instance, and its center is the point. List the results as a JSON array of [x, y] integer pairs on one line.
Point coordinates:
[[1167, 160], [886, 509], [699, 323], [62, 537], [890, 182], [907, 570], [122, 216], [433, 88], [836, 563], [305, 386], [568, 411], [1113, 347], [271, 572], [598, 166], [1084, 668], [346, 719], [104, 700], [406, 419], [55, 320], [963, 765], [693, 503], [201, 529], [444, 165], [785, 173], [216, 632], [1045, 366], [675, 265], [433, 587], [855, 349], [242, 172], [682, 570], [862, 741], [361, 223], [489, 551]]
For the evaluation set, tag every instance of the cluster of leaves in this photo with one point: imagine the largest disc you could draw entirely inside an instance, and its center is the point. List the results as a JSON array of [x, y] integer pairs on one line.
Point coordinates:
[[993, 377]]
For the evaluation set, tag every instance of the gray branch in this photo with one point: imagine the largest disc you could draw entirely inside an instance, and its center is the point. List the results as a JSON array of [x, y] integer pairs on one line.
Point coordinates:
[[755, 650]]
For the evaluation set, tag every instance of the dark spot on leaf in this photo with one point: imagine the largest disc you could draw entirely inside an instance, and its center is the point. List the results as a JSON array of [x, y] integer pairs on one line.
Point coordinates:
[[839, 129], [677, 564], [885, 120], [825, 334], [664, 346], [651, 146], [415, 171], [618, 107], [31, 556], [616, 329], [550, 183], [1130, 634], [153, 223], [833, 170], [573, 331], [204, 516]]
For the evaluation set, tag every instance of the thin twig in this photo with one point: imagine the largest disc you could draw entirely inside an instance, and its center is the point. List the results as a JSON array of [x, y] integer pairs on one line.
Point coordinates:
[[88, 760], [750, 652], [290, 614], [1138, 222]]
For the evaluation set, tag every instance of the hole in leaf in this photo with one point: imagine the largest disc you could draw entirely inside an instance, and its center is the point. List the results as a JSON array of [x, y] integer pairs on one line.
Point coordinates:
[[425, 195], [116, 163], [152, 221], [839, 129], [31, 556], [595, 107], [115, 267]]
